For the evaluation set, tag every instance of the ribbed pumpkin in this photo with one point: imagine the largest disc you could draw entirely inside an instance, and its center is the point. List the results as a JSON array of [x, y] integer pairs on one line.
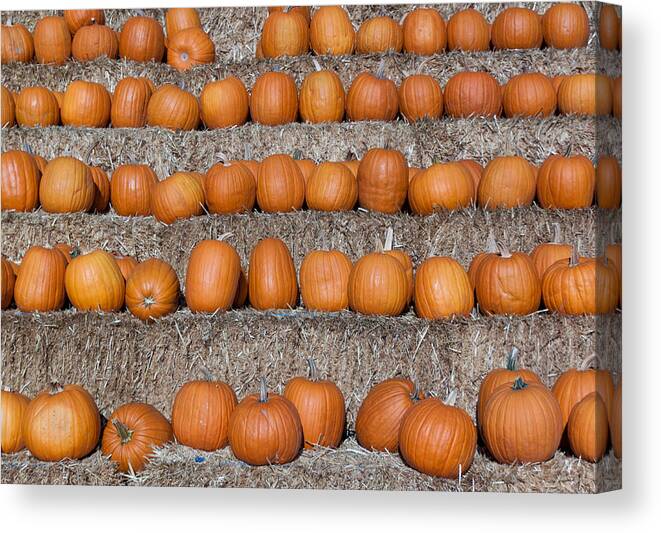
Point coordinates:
[[37, 106], [230, 188], [285, 33], [468, 30], [441, 186], [608, 183], [265, 429], [12, 412], [272, 276], [566, 25], [180, 18], [442, 289], [92, 42], [508, 284], [382, 180], [528, 95], [585, 94], [212, 276], [126, 264], [372, 97], [617, 97], [609, 27], [177, 197], [130, 190], [614, 256], [587, 428], [129, 102], [224, 103], [40, 280], [189, 48], [332, 187], [303, 10], [320, 404], [87, 104], [615, 421], [324, 278], [152, 290], [66, 186], [517, 27], [94, 282], [8, 281], [380, 415], [507, 181], [274, 99], [548, 253], [472, 94], [424, 32], [142, 39], [173, 108], [331, 31], [17, 44], [379, 34], [322, 97], [101, 190], [566, 182], [420, 96], [61, 423], [8, 109], [280, 184], [19, 178], [522, 423], [474, 169], [201, 412], [77, 19], [132, 433], [52, 40]]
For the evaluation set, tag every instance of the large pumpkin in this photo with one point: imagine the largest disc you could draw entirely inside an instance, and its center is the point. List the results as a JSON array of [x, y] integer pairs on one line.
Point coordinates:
[[19, 175], [608, 185], [52, 40], [372, 97], [66, 186], [285, 33], [180, 18], [587, 428], [566, 25], [129, 102], [379, 34], [173, 108], [177, 197], [528, 95], [78, 19], [566, 182], [324, 278], [331, 187], [280, 184], [230, 188], [420, 96], [472, 94], [8, 282], [441, 186], [585, 94], [17, 44], [469, 31], [382, 180], [86, 104], [548, 253], [322, 97], [517, 27], [40, 281], [12, 413], [94, 282], [272, 276], [37, 106], [442, 289], [91, 42], [274, 99], [224, 103], [507, 181], [142, 39], [152, 290], [424, 32], [331, 31], [130, 190], [189, 48]]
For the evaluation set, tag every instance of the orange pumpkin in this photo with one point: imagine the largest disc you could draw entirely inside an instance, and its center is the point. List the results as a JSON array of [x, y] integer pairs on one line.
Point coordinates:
[[37, 106], [617, 97], [468, 30], [129, 102], [382, 180], [86, 104], [130, 190], [152, 290], [285, 33], [101, 191], [177, 197], [587, 428], [608, 185], [272, 276], [379, 34], [517, 27], [566, 26], [177, 19], [508, 181], [94, 282], [566, 182], [40, 281], [372, 97], [424, 32], [303, 10], [280, 184], [8, 109], [230, 188], [274, 99], [189, 48], [92, 42], [585, 94], [528, 95], [324, 277], [8, 281], [173, 108], [472, 94], [322, 97], [331, 31], [66, 186], [474, 169], [609, 27], [17, 44], [548, 253], [12, 413], [420, 96], [52, 40], [306, 166], [441, 186], [332, 187], [142, 39], [442, 289], [126, 265], [19, 178], [77, 19], [224, 103]]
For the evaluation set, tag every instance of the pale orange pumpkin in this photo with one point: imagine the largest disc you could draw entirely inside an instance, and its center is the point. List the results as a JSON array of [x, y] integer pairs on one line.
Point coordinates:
[[331, 187], [441, 186], [94, 282], [86, 104], [442, 289], [19, 178], [66, 186], [177, 19], [230, 188], [224, 103], [17, 44], [331, 31], [12, 412], [177, 197], [544, 255], [508, 181], [424, 32], [322, 97], [285, 33], [566, 182], [379, 34]]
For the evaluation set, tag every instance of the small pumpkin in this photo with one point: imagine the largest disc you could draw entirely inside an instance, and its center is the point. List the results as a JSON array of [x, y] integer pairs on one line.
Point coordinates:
[[332, 187], [94, 282], [566, 182], [177, 197], [469, 31], [280, 184], [126, 264], [420, 96], [322, 97], [585, 94], [37, 106], [129, 102], [102, 189], [12, 413], [609, 27], [382, 180], [566, 25], [274, 99], [230, 188], [424, 32], [617, 97], [379, 34], [442, 289], [91, 42], [8, 281], [8, 109], [615, 421], [66, 186], [472, 94], [40, 280], [372, 97], [52, 40], [324, 278], [587, 428], [517, 27], [475, 170], [17, 44], [181, 18], [528, 95], [86, 104], [272, 276], [19, 178], [130, 190], [285, 33], [152, 290], [142, 39], [331, 31], [173, 108], [546, 254], [77, 19], [224, 103], [507, 181], [189, 48], [441, 186]]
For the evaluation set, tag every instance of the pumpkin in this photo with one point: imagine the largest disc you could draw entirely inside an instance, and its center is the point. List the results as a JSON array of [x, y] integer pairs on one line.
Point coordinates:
[[37, 106], [52, 40], [177, 197], [581, 286], [92, 42], [272, 276], [41, 162], [468, 30], [556, 81], [566, 182], [230, 188], [441, 186], [405, 261], [517, 27], [490, 249], [285, 33], [585, 94], [102, 189], [617, 97], [548, 253], [372, 97], [152, 290], [265, 429], [12, 413], [259, 54], [201, 413], [566, 26], [474, 169], [522, 423], [614, 257], [324, 278], [609, 27], [424, 32], [173, 108], [528, 95], [274, 99], [212, 276], [438, 439], [190, 47], [331, 31], [608, 185], [280, 185], [130, 190], [303, 10], [472, 94], [87, 104], [508, 284], [129, 102], [181, 18], [224, 103], [615, 421], [94, 282], [8, 109], [322, 97], [78, 19], [380, 415], [8, 281], [420, 96], [382, 180], [379, 34], [131, 434], [587, 428], [320, 405], [17, 44], [66, 186], [332, 187], [61, 423], [507, 181], [19, 177], [39, 283], [442, 289], [126, 265], [142, 39]]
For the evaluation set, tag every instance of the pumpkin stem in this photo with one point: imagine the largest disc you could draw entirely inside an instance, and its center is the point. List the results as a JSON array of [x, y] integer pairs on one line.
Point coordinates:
[[263, 393], [313, 369], [587, 362], [381, 68], [415, 395], [512, 358], [504, 251], [148, 301], [452, 398], [55, 388], [124, 433], [491, 247], [519, 384], [316, 64], [387, 245], [556, 233]]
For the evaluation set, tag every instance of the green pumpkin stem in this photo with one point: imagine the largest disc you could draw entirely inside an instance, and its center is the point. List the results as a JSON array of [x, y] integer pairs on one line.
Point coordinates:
[[512, 358], [124, 433], [263, 392], [519, 384], [312, 366]]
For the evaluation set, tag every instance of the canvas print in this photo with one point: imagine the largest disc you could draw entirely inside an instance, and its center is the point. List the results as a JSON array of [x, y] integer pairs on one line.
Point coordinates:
[[343, 247]]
